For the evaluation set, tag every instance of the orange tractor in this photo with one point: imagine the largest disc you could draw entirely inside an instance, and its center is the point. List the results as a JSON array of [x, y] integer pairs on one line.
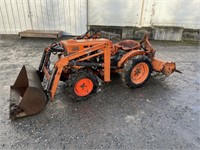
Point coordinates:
[[81, 63]]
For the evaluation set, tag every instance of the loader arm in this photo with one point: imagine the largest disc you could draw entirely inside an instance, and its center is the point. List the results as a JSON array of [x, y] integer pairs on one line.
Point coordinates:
[[64, 61]]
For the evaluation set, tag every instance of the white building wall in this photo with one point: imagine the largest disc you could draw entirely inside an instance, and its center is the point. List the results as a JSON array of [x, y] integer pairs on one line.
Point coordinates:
[[66, 15], [71, 16], [145, 13], [181, 13], [114, 12]]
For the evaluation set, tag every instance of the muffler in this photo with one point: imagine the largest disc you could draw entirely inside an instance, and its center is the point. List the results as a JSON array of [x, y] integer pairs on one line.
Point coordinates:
[[27, 96]]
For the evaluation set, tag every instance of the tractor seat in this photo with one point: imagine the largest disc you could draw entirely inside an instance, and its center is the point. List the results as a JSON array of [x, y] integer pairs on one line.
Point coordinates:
[[128, 45]]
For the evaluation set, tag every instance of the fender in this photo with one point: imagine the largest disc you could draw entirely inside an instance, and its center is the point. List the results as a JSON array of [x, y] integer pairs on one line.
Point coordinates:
[[129, 55]]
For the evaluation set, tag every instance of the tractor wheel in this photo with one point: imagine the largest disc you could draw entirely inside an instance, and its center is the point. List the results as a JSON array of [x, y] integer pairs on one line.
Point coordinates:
[[136, 71], [81, 85]]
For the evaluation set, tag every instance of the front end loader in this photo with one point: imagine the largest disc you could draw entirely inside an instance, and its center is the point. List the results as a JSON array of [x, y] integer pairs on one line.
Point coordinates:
[[81, 63]]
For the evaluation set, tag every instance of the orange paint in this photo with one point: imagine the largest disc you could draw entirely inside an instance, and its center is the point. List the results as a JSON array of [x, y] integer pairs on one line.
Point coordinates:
[[83, 87], [139, 73], [165, 67], [130, 55], [85, 49]]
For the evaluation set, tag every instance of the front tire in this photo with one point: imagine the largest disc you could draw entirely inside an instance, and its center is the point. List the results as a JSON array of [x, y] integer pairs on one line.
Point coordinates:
[[136, 71], [81, 85]]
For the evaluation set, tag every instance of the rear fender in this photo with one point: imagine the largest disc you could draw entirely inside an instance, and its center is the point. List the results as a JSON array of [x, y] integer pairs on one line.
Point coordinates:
[[129, 55]]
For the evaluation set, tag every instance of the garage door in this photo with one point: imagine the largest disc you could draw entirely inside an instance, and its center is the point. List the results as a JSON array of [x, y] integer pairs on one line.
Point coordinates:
[[66, 15]]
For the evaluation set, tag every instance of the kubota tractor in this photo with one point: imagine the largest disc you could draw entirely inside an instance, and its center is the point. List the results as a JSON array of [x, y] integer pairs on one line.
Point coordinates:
[[81, 63]]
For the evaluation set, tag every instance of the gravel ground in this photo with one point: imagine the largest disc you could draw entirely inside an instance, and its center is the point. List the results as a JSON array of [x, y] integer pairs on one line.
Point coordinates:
[[163, 114]]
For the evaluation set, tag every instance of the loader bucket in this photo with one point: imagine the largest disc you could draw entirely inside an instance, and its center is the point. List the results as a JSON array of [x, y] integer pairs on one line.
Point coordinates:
[[26, 95]]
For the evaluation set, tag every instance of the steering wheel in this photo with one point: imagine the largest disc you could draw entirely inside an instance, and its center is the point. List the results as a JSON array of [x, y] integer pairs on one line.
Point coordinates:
[[89, 34]]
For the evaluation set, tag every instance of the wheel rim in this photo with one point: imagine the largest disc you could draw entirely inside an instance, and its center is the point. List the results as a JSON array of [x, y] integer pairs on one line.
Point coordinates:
[[139, 73], [83, 87]]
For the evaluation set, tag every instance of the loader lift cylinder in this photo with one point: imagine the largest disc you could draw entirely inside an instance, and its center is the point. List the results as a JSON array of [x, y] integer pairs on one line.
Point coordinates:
[[43, 62], [49, 84]]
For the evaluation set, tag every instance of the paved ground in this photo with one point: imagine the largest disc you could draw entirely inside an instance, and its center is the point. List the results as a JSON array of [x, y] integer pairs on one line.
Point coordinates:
[[164, 114]]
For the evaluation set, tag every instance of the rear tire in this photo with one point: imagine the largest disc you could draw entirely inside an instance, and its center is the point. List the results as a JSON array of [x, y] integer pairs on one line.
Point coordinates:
[[136, 71], [81, 85]]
